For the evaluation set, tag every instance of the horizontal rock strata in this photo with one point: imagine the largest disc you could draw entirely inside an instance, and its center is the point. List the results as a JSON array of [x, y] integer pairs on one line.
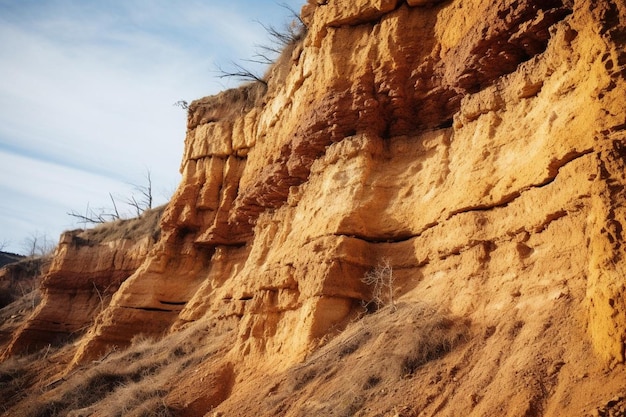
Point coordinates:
[[475, 146]]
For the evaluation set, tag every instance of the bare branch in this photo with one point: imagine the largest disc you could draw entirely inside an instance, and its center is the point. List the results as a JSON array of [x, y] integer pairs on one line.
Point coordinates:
[[117, 213], [279, 38], [139, 204], [261, 58], [291, 33], [294, 14], [131, 201], [147, 191], [241, 73], [382, 283], [93, 217], [182, 104], [145, 200]]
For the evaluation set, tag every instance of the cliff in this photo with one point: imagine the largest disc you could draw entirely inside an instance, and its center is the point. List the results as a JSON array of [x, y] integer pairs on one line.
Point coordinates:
[[86, 270], [467, 158]]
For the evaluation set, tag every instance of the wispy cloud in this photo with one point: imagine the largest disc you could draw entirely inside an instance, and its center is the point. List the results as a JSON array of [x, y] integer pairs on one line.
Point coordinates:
[[87, 91], [42, 193]]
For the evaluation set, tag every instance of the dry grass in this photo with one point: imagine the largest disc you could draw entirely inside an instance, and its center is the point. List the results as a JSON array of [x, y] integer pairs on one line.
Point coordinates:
[[362, 368], [131, 382], [14, 381], [354, 370], [349, 372], [21, 278], [132, 229], [225, 106]]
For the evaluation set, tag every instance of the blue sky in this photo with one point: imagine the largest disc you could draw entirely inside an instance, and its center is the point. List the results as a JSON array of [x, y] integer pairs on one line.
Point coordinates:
[[86, 98]]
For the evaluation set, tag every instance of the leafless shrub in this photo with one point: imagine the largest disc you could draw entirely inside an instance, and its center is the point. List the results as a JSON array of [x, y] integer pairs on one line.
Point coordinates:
[[241, 73], [182, 104], [381, 281], [140, 203], [279, 40]]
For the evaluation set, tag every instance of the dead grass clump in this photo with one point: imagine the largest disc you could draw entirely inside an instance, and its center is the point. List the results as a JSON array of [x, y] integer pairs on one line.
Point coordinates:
[[352, 345], [51, 409], [14, 381], [225, 106], [147, 224], [353, 407], [303, 379], [94, 389], [371, 382], [138, 400], [85, 393], [353, 371], [437, 336], [153, 407]]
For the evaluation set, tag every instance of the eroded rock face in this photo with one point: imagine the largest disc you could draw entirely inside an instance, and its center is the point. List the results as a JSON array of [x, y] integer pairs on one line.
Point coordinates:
[[87, 269], [391, 125], [476, 145]]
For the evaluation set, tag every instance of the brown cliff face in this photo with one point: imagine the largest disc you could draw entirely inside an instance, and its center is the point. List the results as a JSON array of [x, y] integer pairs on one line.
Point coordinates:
[[87, 269], [477, 147]]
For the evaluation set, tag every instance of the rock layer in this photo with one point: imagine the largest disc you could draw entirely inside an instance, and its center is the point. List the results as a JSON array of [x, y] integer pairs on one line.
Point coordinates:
[[87, 269], [372, 140], [392, 125]]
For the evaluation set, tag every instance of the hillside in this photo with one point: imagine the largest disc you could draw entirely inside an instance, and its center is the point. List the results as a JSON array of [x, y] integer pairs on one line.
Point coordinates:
[[7, 258], [418, 213]]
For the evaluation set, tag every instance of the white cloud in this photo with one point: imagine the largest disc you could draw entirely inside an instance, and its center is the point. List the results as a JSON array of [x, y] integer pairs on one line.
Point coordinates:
[[87, 91], [37, 196]]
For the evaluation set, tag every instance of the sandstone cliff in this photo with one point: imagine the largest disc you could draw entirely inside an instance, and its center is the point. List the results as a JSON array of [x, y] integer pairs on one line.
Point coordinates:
[[87, 269], [474, 147]]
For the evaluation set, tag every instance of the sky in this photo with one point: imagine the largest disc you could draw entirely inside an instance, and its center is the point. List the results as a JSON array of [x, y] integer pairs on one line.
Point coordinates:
[[87, 94]]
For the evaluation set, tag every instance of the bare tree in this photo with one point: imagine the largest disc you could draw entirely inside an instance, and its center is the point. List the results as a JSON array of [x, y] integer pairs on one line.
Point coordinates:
[[144, 202], [140, 203], [38, 245], [3, 244]]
